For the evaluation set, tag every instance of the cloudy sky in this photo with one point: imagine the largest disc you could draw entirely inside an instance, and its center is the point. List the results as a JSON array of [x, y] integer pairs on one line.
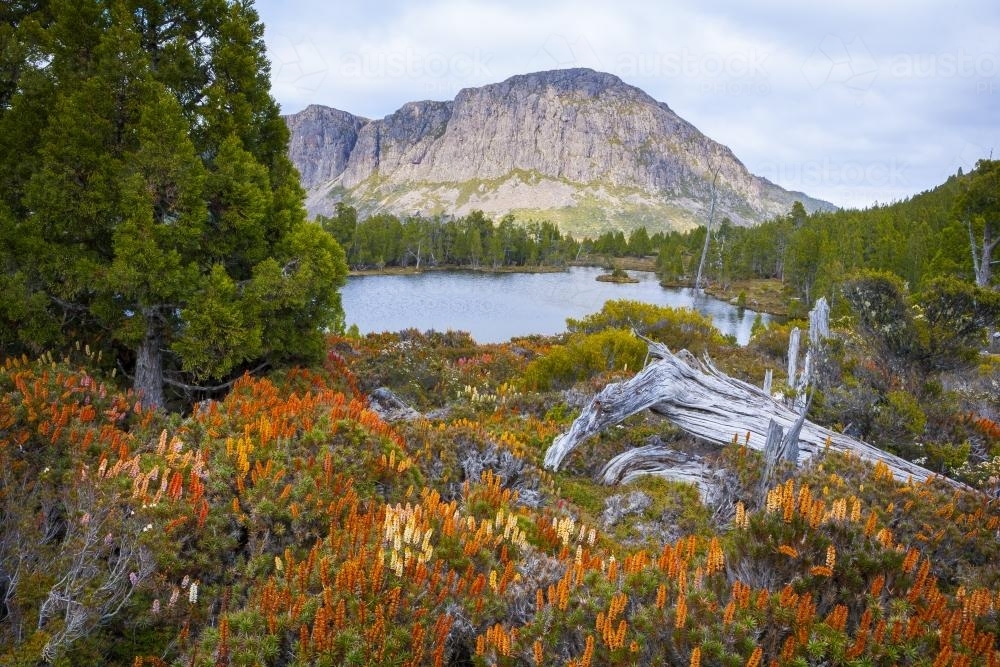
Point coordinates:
[[856, 102]]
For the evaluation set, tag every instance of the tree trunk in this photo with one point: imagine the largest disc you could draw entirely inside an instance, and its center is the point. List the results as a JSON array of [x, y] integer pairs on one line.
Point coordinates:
[[708, 234], [663, 462], [715, 407], [148, 381], [794, 339], [986, 261], [982, 255]]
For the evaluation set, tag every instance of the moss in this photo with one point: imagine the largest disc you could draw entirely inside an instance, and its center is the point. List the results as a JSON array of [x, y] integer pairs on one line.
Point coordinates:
[[675, 504], [585, 494]]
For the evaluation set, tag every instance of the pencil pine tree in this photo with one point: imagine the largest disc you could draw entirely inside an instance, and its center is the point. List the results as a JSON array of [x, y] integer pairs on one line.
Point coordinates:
[[148, 204]]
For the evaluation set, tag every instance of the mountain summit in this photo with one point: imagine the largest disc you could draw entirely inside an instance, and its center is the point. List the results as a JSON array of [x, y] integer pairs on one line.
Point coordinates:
[[575, 146]]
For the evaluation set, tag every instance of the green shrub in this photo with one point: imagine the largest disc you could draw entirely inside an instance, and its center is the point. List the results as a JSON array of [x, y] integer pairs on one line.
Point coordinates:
[[957, 315], [901, 416], [677, 328], [878, 299], [772, 340], [584, 356]]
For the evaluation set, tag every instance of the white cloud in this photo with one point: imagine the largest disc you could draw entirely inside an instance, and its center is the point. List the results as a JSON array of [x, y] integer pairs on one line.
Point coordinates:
[[855, 101]]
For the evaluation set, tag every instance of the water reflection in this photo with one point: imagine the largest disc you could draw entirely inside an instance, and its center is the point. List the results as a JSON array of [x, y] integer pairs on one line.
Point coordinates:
[[497, 307]]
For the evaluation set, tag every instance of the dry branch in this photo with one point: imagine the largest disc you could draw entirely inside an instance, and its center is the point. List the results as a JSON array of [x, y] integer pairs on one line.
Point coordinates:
[[662, 462], [706, 403]]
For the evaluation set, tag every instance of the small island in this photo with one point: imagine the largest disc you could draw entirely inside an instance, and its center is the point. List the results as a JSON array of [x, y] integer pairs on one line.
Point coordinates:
[[617, 276]]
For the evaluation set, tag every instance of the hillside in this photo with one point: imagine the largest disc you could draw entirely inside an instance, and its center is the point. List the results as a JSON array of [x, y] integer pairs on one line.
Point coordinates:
[[310, 517], [578, 147], [920, 239]]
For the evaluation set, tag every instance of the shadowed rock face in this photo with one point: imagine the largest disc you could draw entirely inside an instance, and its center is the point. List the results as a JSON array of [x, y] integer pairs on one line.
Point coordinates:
[[576, 145], [321, 142]]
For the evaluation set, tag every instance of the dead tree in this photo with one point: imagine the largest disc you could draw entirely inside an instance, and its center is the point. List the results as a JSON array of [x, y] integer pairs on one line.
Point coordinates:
[[710, 405], [708, 231]]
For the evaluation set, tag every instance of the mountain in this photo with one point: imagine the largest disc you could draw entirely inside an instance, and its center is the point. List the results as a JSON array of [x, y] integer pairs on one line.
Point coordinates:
[[579, 147]]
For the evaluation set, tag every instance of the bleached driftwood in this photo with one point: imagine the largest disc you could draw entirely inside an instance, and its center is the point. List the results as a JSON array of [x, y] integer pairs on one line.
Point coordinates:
[[710, 405], [819, 321], [778, 447], [793, 355], [819, 330], [662, 462], [390, 407]]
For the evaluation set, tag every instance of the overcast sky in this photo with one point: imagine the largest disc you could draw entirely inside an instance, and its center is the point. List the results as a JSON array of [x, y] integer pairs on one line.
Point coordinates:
[[854, 101]]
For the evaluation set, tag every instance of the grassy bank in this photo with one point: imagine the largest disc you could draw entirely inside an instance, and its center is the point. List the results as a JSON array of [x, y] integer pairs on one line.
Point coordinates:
[[625, 263], [412, 270], [763, 295]]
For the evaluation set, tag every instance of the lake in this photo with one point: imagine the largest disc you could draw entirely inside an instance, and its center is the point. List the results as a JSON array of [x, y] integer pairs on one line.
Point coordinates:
[[494, 307]]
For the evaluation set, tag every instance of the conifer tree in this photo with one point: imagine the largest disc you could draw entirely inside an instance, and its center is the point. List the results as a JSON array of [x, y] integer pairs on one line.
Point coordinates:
[[148, 205]]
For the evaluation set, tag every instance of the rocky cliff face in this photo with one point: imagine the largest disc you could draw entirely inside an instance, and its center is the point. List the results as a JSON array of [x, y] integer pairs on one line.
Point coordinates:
[[575, 146], [321, 142]]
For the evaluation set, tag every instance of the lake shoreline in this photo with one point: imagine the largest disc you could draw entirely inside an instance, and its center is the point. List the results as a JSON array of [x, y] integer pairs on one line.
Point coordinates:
[[624, 263], [647, 264], [414, 271], [762, 295], [495, 307]]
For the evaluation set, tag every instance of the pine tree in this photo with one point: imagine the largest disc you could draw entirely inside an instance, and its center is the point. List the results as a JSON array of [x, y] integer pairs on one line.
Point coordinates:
[[148, 204]]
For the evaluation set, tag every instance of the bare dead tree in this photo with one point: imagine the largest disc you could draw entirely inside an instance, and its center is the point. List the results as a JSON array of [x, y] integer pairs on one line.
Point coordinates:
[[710, 405], [708, 231], [87, 541]]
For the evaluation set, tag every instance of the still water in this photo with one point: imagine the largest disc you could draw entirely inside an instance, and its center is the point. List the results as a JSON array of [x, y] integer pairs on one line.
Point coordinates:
[[496, 307]]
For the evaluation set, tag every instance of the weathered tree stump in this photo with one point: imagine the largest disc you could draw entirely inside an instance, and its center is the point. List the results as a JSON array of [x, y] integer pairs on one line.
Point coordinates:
[[708, 404], [660, 461]]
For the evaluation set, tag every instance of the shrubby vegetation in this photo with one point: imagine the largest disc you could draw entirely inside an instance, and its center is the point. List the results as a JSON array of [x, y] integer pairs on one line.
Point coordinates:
[[151, 223], [903, 373], [606, 341], [290, 524], [583, 356], [678, 328]]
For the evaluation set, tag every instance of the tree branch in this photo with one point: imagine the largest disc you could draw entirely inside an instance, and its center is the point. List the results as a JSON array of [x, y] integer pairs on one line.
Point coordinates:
[[219, 387], [710, 405], [177, 384]]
